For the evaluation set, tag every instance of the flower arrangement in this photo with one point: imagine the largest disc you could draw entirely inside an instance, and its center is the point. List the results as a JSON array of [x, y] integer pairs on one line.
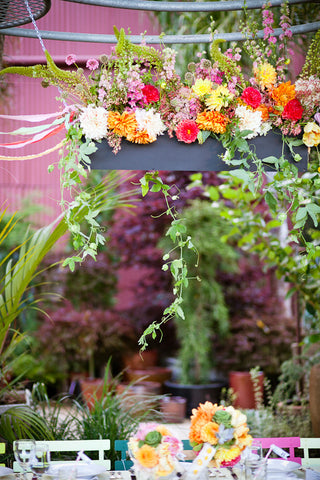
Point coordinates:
[[154, 451], [219, 432], [136, 94]]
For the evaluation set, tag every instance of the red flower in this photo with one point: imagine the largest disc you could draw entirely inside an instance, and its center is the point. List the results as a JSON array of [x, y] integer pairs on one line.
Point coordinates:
[[251, 97], [150, 94], [293, 110], [187, 131]]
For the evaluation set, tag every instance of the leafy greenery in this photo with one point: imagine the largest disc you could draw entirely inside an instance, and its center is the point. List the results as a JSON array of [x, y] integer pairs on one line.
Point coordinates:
[[114, 416], [204, 306]]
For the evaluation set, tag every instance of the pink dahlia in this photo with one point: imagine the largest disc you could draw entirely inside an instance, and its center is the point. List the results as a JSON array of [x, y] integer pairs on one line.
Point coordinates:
[[187, 131], [150, 93], [251, 96]]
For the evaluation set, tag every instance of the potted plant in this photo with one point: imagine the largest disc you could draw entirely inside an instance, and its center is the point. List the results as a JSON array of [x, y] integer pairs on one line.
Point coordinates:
[[204, 305]]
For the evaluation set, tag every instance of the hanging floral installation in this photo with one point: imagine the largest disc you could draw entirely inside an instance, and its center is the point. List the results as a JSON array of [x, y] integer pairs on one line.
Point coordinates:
[[135, 95]]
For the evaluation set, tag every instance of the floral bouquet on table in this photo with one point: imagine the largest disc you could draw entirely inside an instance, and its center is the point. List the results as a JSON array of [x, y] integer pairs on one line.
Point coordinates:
[[154, 451], [219, 434]]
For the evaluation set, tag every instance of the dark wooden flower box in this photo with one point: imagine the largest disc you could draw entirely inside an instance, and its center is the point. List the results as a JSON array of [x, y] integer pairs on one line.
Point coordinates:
[[170, 154]]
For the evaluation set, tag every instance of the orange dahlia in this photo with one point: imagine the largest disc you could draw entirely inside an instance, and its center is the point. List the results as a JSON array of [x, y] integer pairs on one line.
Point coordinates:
[[264, 112], [123, 124], [199, 418], [214, 121], [140, 136], [147, 456], [283, 93]]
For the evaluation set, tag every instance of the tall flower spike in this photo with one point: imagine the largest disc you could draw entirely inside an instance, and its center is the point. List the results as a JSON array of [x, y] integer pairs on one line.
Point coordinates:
[[225, 63], [312, 63]]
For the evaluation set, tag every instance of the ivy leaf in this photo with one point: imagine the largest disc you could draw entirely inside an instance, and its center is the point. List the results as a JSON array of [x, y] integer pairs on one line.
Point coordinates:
[[271, 201], [203, 135], [313, 210]]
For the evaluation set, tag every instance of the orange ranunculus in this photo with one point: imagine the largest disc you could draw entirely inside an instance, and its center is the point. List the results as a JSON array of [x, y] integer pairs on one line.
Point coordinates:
[[214, 121], [284, 93], [163, 430], [208, 433], [123, 124], [140, 136], [147, 456], [244, 441]]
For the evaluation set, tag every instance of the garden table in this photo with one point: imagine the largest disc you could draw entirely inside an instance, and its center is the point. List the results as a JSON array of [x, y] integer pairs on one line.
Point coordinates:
[[301, 473]]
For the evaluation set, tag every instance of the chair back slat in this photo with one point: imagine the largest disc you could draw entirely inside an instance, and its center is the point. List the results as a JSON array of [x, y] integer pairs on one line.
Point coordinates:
[[74, 446], [286, 443], [308, 444], [2, 450]]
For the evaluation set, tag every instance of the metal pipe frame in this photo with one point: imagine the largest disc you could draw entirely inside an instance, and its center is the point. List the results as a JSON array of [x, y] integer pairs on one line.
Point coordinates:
[[150, 39], [155, 6]]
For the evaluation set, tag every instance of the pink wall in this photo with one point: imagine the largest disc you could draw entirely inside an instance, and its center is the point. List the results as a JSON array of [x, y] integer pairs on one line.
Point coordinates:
[[18, 179]]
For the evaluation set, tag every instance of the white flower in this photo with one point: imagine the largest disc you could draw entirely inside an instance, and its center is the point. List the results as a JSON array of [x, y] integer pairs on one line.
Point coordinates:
[[150, 121], [249, 120], [94, 122]]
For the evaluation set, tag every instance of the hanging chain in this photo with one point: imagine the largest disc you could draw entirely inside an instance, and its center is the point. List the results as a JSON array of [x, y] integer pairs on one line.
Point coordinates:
[[35, 25]]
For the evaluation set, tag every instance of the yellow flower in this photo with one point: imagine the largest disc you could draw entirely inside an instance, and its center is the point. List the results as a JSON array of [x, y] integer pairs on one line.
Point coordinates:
[[218, 98], [202, 87], [266, 75], [147, 456], [226, 455], [311, 135]]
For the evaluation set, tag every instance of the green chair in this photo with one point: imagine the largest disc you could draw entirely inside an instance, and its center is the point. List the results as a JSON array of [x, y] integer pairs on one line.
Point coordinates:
[[310, 446], [73, 447], [2, 450], [125, 463]]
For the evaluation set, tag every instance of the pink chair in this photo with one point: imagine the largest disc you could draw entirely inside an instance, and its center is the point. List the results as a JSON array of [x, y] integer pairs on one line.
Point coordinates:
[[283, 442]]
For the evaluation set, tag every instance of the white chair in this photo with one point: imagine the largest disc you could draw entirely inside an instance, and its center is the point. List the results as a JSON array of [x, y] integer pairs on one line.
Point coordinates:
[[73, 447], [308, 444]]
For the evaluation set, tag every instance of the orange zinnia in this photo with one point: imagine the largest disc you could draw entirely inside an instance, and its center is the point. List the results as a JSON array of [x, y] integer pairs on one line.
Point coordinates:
[[284, 93], [123, 124], [213, 121], [147, 456]]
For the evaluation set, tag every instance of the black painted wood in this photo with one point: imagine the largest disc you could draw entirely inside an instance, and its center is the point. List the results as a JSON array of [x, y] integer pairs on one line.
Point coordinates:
[[169, 154]]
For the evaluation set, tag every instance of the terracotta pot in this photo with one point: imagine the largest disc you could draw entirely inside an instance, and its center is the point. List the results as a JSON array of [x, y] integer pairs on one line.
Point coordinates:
[[314, 396], [142, 360], [242, 386], [151, 374], [133, 396], [174, 409], [91, 390]]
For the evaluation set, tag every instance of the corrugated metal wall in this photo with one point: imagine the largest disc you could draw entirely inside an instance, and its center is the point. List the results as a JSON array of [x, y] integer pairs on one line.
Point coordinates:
[[19, 179]]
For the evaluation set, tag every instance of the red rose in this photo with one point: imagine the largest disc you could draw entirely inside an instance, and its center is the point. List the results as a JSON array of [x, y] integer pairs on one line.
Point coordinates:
[[187, 131], [293, 110], [251, 96], [150, 94]]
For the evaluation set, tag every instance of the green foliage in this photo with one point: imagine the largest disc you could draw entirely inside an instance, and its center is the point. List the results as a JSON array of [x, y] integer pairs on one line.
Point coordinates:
[[203, 303], [312, 62], [175, 259], [115, 415]]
